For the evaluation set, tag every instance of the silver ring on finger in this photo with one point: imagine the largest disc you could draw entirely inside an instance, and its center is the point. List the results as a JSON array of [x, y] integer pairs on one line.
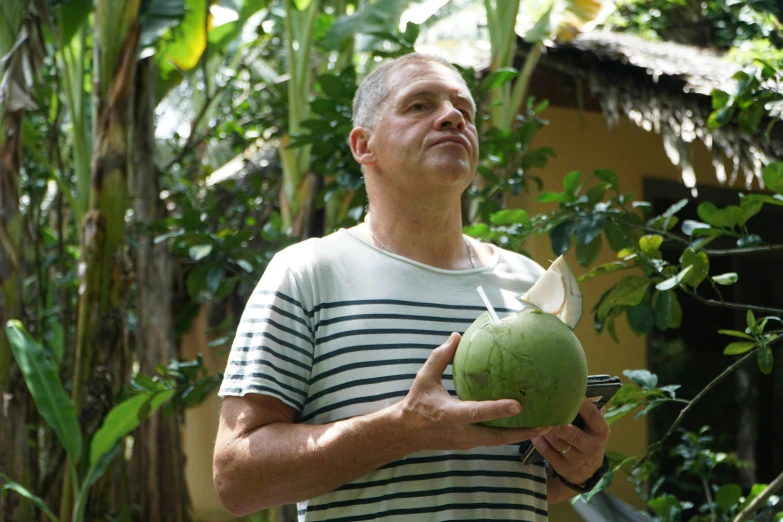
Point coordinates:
[[563, 452]]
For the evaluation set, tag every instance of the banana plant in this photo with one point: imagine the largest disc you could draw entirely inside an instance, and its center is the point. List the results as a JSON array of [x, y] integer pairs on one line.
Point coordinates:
[[300, 21], [561, 19], [40, 373], [18, 54]]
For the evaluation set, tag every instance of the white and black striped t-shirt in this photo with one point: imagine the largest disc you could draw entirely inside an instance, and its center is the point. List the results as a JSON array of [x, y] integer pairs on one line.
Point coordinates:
[[338, 328]]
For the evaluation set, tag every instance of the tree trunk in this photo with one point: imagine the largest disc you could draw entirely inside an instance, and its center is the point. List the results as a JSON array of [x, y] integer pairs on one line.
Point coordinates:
[[157, 465], [101, 362], [17, 411]]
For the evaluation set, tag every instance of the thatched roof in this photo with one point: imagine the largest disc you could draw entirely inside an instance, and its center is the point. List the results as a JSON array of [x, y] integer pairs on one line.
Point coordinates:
[[663, 87]]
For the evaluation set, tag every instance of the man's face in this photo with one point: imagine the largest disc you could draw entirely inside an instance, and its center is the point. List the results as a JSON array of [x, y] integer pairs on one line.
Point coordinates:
[[426, 135]]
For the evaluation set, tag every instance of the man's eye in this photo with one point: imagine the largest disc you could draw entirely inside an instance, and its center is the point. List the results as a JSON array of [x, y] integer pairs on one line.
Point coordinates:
[[418, 107]]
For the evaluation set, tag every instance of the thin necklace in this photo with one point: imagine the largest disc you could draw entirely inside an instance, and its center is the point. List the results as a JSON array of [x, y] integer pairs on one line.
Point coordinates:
[[467, 244]]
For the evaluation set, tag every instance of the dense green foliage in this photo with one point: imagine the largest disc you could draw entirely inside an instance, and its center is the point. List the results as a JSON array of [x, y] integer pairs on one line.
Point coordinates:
[[238, 97]]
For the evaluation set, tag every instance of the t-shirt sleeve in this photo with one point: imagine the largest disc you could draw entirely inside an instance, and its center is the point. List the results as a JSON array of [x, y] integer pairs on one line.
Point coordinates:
[[272, 353]]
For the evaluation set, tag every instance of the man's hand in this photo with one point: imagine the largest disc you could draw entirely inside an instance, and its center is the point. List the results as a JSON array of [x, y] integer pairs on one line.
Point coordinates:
[[574, 453], [436, 420]]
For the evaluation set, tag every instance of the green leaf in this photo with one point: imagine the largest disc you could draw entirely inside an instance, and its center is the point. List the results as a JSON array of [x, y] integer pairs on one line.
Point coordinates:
[[611, 329], [663, 310], [244, 265], [43, 381], [666, 506], [615, 414], [596, 192], [38, 501], [587, 254], [561, 237], [728, 496], [641, 318], [616, 240], [628, 393], [382, 16], [644, 378], [93, 474], [730, 216], [551, 197], [676, 320], [725, 279], [773, 177], [749, 209], [650, 243], [301, 5], [181, 48], [542, 29], [777, 199], [735, 333], [751, 319], [196, 281], [214, 278], [672, 282], [510, 217], [571, 181], [628, 292], [700, 264], [779, 517], [706, 211], [124, 418], [497, 79], [690, 226], [73, 15], [765, 359], [479, 230], [158, 17], [719, 99], [199, 252], [751, 240], [608, 268], [739, 348], [750, 117], [672, 210], [609, 176], [589, 227]]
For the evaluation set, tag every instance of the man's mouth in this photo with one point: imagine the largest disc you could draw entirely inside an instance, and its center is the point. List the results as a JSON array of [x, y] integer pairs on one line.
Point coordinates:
[[453, 140]]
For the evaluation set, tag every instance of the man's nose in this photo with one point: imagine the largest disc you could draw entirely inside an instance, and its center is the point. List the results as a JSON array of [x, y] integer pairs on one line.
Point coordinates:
[[450, 117]]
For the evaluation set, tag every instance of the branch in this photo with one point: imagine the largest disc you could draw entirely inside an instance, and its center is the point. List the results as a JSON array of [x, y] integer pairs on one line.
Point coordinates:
[[191, 141], [760, 500], [725, 373], [743, 251], [210, 98], [709, 251], [734, 306]]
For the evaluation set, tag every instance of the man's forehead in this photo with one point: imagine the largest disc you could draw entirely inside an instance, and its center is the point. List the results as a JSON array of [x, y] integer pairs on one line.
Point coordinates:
[[427, 77]]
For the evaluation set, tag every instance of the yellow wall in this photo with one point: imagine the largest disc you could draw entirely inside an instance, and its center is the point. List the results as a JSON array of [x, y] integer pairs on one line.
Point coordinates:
[[629, 151], [634, 155]]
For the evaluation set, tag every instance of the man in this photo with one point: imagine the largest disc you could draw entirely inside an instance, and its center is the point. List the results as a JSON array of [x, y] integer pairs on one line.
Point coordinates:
[[334, 396]]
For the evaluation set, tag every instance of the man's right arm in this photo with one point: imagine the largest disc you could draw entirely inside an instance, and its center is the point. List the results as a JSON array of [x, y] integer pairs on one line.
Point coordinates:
[[262, 459]]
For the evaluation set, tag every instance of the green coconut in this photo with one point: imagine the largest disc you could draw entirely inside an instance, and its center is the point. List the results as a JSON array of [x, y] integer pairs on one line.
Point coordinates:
[[532, 357]]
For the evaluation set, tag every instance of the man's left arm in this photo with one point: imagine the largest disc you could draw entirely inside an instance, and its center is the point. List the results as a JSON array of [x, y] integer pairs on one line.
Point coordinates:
[[575, 454]]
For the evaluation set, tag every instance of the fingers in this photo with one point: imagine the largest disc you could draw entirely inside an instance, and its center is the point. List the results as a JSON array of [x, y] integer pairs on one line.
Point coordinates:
[[559, 444], [472, 412], [595, 422], [440, 358], [545, 448]]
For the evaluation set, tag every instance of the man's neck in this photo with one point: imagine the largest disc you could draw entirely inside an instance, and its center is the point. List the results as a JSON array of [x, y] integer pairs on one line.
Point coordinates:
[[427, 233]]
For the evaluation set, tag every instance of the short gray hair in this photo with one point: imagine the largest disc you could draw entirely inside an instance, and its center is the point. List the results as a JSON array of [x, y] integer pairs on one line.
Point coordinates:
[[374, 89]]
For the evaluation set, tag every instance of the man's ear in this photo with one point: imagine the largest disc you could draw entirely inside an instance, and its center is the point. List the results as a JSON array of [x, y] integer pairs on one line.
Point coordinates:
[[359, 140]]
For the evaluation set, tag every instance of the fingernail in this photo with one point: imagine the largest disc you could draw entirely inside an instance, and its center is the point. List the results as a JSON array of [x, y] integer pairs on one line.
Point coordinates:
[[514, 409]]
